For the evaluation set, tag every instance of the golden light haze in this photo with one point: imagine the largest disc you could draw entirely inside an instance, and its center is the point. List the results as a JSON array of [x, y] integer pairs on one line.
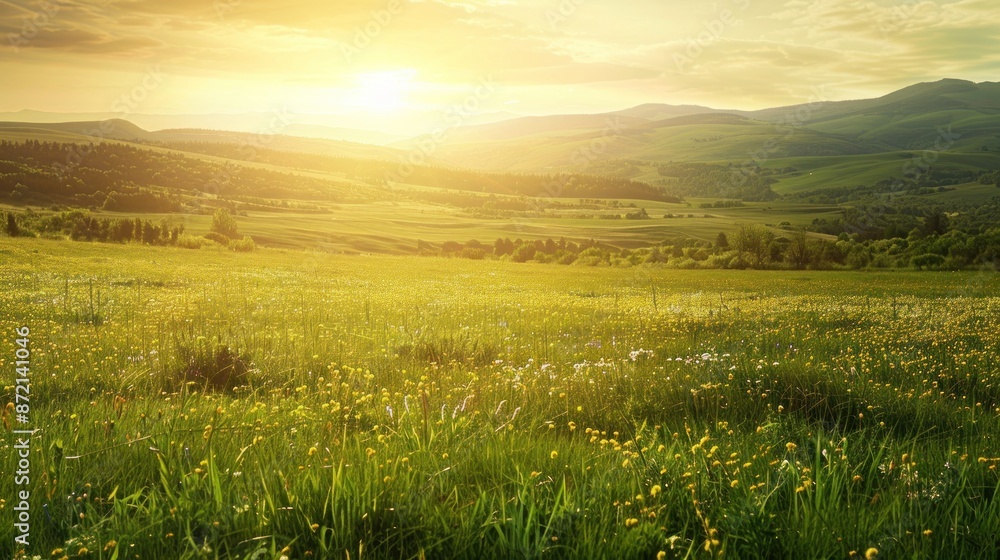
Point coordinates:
[[399, 64]]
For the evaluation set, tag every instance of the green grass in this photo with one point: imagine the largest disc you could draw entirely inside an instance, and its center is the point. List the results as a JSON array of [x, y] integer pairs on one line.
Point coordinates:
[[970, 192], [401, 407], [817, 173], [400, 223], [694, 142]]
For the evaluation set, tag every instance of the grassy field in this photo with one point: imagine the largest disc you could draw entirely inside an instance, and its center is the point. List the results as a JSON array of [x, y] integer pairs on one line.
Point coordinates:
[[280, 404], [395, 226], [816, 173]]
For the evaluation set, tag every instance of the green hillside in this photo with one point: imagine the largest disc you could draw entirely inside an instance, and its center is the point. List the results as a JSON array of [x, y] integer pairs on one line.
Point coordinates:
[[627, 181], [934, 134]]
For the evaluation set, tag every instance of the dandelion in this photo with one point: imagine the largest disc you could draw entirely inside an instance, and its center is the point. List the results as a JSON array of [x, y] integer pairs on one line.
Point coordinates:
[[554, 454], [791, 447], [871, 553], [656, 489]]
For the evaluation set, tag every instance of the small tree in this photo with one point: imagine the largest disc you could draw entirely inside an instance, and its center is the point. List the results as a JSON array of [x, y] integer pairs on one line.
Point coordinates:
[[799, 252], [752, 243], [12, 229], [721, 241], [224, 223]]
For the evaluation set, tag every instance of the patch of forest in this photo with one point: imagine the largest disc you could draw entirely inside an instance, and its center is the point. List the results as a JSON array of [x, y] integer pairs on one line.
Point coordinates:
[[126, 178]]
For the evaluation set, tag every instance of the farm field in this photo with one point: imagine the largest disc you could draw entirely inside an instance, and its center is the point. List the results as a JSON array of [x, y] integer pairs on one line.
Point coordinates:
[[214, 404]]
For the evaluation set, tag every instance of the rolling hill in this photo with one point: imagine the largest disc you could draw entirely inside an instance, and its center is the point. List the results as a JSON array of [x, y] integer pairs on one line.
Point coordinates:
[[954, 123], [937, 145], [123, 130]]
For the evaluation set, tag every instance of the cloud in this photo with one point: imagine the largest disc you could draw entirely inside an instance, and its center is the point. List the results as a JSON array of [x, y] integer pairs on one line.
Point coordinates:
[[772, 52], [82, 41]]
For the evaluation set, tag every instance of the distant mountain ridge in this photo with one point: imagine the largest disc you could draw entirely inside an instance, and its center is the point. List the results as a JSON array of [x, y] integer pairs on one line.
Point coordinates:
[[952, 125], [956, 115], [123, 130]]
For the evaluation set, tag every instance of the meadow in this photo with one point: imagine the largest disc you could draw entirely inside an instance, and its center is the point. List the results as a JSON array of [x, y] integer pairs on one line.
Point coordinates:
[[288, 404]]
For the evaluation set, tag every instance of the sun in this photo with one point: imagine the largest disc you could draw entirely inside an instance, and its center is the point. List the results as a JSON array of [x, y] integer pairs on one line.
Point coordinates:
[[382, 92]]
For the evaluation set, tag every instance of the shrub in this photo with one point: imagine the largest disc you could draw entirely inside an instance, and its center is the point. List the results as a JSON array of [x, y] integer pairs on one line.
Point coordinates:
[[476, 254], [244, 245], [218, 238], [191, 242], [927, 261], [566, 258], [215, 368], [12, 228], [224, 223], [722, 260]]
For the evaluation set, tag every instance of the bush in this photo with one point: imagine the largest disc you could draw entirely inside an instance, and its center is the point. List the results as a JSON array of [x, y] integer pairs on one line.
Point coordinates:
[[927, 261], [244, 245], [216, 368], [224, 223], [524, 253], [685, 263], [566, 258], [12, 228], [218, 238], [722, 261], [191, 242], [474, 253]]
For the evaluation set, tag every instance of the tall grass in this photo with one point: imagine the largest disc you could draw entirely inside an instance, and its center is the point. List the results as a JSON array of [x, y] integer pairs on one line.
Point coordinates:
[[266, 405]]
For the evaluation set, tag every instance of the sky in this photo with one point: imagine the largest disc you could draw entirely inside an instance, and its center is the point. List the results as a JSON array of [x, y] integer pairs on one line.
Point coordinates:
[[399, 65]]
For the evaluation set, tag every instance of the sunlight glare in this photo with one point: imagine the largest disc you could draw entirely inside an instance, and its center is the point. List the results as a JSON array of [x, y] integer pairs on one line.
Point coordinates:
[[382, 92]]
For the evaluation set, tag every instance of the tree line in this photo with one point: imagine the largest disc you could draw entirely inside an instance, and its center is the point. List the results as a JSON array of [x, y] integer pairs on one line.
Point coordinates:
[[750, 246], [121, 177], [385, 171], [80, 225], [746, 183]]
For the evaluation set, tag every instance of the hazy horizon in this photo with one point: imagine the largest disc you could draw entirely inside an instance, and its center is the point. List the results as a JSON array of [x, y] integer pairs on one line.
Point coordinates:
[[397, 66]]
